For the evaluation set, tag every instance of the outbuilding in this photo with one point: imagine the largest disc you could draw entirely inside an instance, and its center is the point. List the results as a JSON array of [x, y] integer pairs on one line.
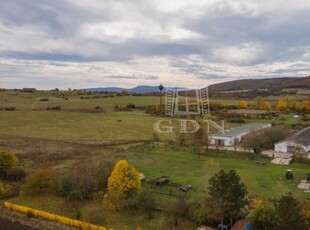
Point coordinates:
[[235, 135], [299, 141]]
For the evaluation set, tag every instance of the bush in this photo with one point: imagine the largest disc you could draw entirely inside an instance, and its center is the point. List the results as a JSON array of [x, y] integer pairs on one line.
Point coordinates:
[[41, 181], [64, 186], [7, 161], [305, 118], [10, 108], [132, 106], [7, 190], [95, 213], [15, 174], [76, 186], [54, 108], [103, 172], [80, 194]]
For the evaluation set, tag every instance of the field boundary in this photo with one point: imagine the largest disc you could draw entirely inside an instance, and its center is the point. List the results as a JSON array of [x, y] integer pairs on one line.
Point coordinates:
[[53, 217], [95, 143]]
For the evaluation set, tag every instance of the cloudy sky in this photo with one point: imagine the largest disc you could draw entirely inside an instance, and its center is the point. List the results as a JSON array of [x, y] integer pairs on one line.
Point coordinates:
[[91, 43]]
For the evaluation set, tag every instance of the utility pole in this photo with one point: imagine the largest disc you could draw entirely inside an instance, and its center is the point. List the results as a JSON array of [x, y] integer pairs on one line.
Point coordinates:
[[161, 87]]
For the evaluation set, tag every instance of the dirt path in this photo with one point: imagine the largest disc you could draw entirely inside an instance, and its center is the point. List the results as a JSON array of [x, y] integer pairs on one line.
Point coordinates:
[[10, 225], [12, 220]]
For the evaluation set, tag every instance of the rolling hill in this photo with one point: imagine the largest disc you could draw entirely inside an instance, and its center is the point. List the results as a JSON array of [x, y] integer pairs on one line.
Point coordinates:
[[268, 83], [252, 84]]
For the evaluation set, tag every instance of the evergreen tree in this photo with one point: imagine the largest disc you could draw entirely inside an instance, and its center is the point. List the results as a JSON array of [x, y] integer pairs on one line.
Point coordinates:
[[228, 192], [289, 214]]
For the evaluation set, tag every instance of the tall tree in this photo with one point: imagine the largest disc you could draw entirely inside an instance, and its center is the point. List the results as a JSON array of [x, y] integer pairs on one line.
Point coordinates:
[[264, 139], [289, 214], [226, 189], [123, 183]]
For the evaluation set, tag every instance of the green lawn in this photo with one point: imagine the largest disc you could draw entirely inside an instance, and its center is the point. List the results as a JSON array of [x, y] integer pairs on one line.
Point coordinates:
[[182, 166]]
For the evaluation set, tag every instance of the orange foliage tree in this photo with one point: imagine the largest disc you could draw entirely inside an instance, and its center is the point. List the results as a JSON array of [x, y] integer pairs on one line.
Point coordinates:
[[265, 105]]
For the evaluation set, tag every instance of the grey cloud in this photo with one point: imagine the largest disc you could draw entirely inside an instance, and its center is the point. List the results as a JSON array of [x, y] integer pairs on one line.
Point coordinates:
[[140, 76], [56, 18], [281, 38]]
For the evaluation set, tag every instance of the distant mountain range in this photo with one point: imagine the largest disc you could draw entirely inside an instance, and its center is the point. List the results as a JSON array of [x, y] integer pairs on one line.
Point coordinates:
[[139, 89], [268, 83]]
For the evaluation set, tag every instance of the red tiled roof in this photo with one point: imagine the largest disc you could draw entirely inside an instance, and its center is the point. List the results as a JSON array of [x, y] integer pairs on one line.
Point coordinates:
[[240, 225]]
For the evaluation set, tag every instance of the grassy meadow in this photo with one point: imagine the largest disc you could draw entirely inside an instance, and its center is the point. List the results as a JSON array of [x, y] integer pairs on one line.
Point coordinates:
[[78, 135], [64, 125], [183, 166]]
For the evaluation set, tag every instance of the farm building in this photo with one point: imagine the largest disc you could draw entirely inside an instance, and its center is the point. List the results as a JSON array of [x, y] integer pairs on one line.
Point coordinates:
[[29, 90], [299, 140], [235, 135]]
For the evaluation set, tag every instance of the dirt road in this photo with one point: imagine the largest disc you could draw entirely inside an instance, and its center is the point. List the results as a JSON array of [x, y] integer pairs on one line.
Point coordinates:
[[9, 225]]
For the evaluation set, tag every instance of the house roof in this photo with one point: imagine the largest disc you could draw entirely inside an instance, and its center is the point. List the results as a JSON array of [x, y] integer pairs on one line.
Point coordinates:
[[240, 225], [243, 129], [301, 137]]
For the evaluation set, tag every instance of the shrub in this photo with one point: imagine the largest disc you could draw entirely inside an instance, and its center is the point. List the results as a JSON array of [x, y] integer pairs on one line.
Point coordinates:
[[7, 190], [79, 194], [132, 106], [95, 213], [76, 185], [15, 174], [64, 186], [10, 108], [305, 118], [7, 161], [103, 172], [41, 181]]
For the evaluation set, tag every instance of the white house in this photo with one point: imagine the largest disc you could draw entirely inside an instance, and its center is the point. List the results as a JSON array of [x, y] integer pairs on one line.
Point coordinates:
[[299, 140], [236, 134]]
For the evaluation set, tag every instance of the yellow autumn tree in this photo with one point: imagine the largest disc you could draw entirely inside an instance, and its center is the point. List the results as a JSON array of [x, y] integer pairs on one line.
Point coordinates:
[[281, 105], [243, 104], [124, 178], [305, 106]]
